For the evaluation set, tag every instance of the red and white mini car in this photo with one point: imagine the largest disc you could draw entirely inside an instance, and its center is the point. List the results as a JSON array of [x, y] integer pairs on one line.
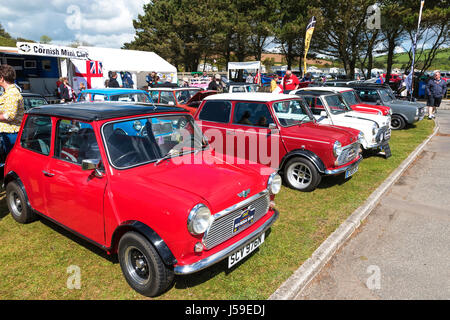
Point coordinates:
[[157, 196], [279, 131]]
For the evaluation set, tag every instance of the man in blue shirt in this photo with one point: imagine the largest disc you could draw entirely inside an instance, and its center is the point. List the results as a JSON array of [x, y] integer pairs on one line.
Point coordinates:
[[436, 89]]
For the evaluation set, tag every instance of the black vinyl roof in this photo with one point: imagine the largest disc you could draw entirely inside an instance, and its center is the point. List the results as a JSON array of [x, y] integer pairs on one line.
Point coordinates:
[[100, 111]]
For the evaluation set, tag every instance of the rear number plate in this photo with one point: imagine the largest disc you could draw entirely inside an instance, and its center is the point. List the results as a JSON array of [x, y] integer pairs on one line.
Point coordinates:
[[237, 256]]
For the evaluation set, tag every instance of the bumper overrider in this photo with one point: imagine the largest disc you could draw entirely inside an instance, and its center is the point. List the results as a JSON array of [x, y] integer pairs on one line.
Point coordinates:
[[223, 254], [345, 168], [383, 136]]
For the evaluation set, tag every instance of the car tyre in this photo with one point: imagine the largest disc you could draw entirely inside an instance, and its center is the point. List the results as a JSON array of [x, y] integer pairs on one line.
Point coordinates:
[[18, 204], [301, 174], [142, 266], [397, 122]]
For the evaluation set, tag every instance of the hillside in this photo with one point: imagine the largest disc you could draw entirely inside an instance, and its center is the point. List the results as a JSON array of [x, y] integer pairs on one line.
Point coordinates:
[[401, 60]]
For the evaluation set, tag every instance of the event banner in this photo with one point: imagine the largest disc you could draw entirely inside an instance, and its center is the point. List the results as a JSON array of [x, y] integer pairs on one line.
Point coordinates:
[[50, 50]]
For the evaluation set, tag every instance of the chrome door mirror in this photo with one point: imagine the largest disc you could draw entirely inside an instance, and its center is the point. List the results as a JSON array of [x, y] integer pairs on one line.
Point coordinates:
[[323, 114], [90, 164], [93, 165], [273, 126]]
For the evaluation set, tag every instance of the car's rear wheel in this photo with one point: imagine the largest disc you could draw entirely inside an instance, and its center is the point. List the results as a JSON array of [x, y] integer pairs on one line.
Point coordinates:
[[397, 122], [302, 175], [17, 202], [142, 266]]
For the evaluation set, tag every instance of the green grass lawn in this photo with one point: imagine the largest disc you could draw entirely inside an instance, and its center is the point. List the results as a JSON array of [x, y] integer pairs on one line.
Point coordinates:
[[34, 258], [440, 62]]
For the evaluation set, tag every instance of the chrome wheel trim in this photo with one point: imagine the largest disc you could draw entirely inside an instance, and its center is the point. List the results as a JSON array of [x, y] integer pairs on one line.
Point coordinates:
[[15, 204], [299, 175], [137, 265], [395, 123]]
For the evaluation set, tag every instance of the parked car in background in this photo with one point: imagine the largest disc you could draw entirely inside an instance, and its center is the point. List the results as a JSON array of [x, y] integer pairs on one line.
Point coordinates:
[[165, 205], [279, 130], [32, 100], [237, 87], [331, 108], [114, 95], [352, 99], [186, 98], [403, 112]]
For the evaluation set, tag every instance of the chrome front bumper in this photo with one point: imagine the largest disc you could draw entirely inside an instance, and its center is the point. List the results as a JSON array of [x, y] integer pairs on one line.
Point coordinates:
[[343, 169], [221, 255]]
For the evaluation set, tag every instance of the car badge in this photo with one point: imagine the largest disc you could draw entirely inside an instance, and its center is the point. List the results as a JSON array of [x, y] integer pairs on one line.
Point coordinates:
[[244, 194]]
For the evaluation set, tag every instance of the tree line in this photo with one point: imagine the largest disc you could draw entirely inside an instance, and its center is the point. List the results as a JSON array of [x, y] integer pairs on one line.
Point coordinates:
[[352, 32]]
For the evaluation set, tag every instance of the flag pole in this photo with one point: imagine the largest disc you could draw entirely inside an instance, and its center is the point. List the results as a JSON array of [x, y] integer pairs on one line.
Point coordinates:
[[422, 2], [309, 33]]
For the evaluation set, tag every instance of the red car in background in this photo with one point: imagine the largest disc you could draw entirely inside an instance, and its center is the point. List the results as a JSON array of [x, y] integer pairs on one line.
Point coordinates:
[[186, 98], [279, 131], [158, 197]]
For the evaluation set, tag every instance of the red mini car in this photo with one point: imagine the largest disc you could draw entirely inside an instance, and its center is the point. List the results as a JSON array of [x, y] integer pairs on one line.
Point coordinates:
[[157, 197], [279, 131]]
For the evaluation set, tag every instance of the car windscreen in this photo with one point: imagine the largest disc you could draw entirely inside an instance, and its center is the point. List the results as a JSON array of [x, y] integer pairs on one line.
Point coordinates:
[[385, 95], [134, 142], [292, 112], [351, 97], [31, 102], [336, 104]]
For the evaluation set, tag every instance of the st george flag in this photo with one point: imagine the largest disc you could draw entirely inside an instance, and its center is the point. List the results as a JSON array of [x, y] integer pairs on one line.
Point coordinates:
[[309, 33], [89, 72], [409, 79]]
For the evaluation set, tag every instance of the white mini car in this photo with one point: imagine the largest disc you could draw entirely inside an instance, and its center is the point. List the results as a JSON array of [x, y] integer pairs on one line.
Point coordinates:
[[331, 108]]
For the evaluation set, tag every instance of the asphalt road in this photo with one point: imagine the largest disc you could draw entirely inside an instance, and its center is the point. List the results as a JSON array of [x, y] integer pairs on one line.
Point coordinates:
[[402, 250]]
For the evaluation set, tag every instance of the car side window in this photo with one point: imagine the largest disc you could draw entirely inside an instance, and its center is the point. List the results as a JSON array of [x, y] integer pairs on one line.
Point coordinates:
[[252, 114], [216, 111], [368, 95], [37, 134], [75, 141], [167, 97]]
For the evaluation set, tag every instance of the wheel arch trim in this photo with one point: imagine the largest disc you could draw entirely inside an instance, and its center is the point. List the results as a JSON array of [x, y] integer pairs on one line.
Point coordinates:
[[309, 155], [158, 243]]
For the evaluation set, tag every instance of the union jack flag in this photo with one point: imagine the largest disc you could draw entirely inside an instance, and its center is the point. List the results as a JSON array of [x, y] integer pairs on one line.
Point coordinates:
[[96, 68]]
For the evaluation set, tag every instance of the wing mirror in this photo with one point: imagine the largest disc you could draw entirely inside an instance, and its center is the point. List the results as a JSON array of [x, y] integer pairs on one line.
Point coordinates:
[[93, 165], [273, 126], [323, 114]]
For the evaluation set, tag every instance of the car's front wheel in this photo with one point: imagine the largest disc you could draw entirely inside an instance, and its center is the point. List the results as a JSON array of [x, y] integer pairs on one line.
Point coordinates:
[[397, 122], [142, 266], [17, 202], [301, 174]]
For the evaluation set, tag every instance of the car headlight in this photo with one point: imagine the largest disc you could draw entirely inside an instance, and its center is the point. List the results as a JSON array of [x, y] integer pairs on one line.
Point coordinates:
[[137, 125], [274, 183], [390, 112], [361, 137], [417, 111], [374, 129], [199, 220], [337, 149]]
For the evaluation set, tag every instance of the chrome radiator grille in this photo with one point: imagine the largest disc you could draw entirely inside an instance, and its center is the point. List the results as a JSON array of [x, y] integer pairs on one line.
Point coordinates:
[[349, 153], [222, 228]]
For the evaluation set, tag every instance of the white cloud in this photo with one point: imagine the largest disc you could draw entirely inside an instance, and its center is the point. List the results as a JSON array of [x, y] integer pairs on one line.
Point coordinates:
[[100, 22]]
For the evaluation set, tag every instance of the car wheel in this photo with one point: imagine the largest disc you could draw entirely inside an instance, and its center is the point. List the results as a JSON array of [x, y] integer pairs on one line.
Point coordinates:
[[302, 175], [17, 202], [142, 266], [397, 122]]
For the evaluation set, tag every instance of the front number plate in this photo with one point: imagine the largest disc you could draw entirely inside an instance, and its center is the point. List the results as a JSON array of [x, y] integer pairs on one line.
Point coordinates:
[[237, 256], [351, 171]]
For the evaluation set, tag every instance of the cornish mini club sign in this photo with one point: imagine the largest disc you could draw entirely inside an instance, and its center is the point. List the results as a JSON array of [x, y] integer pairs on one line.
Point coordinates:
[[51, 50]]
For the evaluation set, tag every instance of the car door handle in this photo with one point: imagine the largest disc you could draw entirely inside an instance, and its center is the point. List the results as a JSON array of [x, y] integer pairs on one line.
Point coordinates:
[[48, 174], [231, 133]]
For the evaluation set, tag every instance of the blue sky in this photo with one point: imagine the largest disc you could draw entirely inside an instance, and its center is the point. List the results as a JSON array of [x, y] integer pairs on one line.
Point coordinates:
[[102, 23]]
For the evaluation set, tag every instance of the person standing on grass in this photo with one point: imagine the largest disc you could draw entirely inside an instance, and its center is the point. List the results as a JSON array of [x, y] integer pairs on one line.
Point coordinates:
[[436, 89], [11, 110]]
